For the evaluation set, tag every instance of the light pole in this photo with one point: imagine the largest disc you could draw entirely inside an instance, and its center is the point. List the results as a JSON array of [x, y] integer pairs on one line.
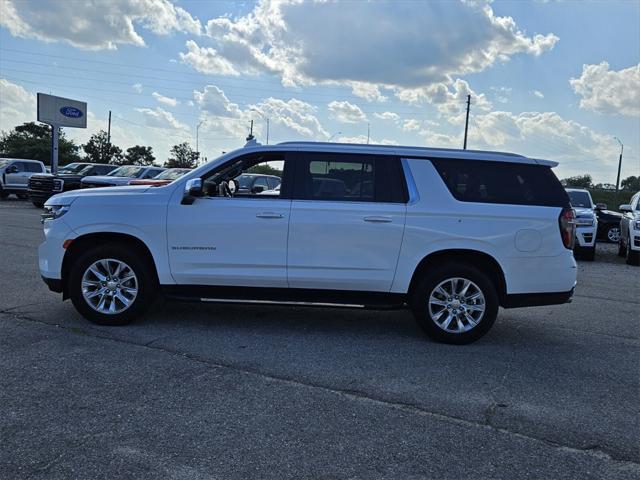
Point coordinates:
[[197, 139], [619, 167], [331, 137], [265, 118]]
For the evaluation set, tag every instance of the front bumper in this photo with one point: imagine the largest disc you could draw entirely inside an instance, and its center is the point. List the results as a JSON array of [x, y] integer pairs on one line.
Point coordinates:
[[634, 240], [51, 251], [54, 284], [586, 237]]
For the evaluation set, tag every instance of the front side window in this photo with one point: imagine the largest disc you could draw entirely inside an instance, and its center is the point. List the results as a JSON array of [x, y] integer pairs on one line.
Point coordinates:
[[501, 182], [249, 174]]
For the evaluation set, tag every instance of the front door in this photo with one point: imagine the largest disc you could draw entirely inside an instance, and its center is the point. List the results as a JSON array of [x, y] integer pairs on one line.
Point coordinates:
[[231, 240]]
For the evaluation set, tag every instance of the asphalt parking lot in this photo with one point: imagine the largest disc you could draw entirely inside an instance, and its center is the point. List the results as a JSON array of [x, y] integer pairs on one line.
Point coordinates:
[[210, 391]]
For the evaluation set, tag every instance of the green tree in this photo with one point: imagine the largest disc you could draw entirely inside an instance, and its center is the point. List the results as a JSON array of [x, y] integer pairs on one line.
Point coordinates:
[[265, 169], [99, 150], [579, 181], [33, 141], [182, 156], [630, 183], [139, 155]]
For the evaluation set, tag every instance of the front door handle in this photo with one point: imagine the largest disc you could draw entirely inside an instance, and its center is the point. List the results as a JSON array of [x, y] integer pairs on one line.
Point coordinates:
[[269, 215], [378, 219]]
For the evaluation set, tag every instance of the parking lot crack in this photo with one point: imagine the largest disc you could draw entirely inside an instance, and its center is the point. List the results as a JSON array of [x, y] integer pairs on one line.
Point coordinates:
[[357, 395]]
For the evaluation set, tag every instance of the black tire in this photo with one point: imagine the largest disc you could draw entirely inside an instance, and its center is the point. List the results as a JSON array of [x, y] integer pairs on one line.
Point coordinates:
[[22, 196], [420, 295], [589, 254], [131, 256], [633, 257], [613, 232], [3, 194], [622, 251], [38, 204]]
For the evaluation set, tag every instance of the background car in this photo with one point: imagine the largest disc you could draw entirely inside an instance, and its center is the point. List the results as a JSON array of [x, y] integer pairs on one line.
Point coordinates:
[[586, 223], [629, 246], [15, 174], [608, 223], [69, 177], [163, 178], [256, 182], [121, 176]]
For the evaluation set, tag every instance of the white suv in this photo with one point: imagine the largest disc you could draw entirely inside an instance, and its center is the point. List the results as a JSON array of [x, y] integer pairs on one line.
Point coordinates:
[[629, 246], [586, 223], [451, 234]]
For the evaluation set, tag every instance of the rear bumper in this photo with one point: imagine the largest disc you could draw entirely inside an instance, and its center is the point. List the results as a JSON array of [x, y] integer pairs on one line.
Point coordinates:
[[537, 299], [54, 284]]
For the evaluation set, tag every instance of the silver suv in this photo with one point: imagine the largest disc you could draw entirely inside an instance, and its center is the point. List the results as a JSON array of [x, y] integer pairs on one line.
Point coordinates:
[[15, 174]]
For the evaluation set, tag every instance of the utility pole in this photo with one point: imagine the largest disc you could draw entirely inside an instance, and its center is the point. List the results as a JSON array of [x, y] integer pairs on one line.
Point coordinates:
[[619, 167], [109, 130], [466, 123], [197, 138], [368, 132], [250, 136]]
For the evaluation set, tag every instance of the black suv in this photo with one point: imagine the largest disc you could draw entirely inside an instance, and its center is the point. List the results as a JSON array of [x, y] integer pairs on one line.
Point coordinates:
[[41, 187], [608, 223]]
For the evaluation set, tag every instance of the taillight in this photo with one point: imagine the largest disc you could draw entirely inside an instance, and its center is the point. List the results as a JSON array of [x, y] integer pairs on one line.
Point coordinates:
[[567, 223]]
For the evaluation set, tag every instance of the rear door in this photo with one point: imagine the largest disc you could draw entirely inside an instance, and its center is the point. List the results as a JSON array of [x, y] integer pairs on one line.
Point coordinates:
[[347, 222]]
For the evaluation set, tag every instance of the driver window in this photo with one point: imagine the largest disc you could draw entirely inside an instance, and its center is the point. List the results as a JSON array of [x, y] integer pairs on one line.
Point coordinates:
[[249, 177]]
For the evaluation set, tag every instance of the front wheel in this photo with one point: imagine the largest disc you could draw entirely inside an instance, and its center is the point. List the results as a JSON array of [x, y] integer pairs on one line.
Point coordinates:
[[111, 284], [455, 303]]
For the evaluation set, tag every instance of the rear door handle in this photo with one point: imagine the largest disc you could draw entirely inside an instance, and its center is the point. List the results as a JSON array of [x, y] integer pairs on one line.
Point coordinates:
[[269, 215], [378, 219]]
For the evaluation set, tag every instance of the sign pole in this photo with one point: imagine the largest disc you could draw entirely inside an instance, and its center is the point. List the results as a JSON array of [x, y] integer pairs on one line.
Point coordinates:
[[55, 130]]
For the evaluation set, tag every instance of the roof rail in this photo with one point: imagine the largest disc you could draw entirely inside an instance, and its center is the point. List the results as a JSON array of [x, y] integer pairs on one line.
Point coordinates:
[[392, 147]]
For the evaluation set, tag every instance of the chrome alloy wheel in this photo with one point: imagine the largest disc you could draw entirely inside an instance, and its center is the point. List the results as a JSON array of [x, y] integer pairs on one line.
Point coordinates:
[[109, 286], [456, 305], [613, 234]]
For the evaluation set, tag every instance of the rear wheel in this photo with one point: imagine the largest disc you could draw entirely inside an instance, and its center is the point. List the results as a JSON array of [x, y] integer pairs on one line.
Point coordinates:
[[455, 303], [613, 234], [111, 284]]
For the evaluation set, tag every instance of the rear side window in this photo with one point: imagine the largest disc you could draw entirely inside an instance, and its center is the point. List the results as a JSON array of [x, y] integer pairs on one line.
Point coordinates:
[[349, 177], [33, 167], [501, 182]]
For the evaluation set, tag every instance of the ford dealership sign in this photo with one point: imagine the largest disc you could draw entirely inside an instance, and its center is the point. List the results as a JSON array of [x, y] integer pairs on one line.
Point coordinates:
[[71, 112], [61, 112]]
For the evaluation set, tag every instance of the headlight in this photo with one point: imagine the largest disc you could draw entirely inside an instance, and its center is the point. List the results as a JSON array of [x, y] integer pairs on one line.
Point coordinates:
[[51, 212], [584, 221], [636, 225], [58, 184]]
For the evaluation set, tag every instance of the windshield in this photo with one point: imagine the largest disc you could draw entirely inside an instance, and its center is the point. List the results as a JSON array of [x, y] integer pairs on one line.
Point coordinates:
[[126, 171], [72, 168], [580, 199], [171, 174]]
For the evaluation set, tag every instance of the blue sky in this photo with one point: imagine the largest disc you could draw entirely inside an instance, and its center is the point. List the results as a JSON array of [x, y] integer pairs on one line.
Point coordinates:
[[554, 79]]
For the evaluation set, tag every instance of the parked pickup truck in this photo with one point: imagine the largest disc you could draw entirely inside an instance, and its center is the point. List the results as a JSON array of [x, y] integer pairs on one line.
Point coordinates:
[[69, 177], [15, 174]]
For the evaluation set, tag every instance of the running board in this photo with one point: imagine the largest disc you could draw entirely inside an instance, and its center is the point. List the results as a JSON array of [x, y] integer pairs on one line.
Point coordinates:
[[285, 296]]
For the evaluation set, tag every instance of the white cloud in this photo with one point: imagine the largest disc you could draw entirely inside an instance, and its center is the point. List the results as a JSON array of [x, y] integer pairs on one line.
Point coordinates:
[[137, 87], [609, 91], [293, 118], [159, 118], [346, 112], [538, 93], [17, 105], [387, 116], [172, 102], [364, 139], [411, 125], [423, 43], [92, 26], [214, 102], [449, 100]]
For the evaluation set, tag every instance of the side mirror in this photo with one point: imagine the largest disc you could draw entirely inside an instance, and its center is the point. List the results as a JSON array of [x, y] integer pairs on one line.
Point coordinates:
[[625, 207], [601, 206], [257, 189], [192, 190]]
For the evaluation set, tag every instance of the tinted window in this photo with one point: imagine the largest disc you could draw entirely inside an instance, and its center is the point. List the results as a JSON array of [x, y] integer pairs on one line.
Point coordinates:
[[349, 177], [261, 182], [33, 167], [501, 182], [273, 182], [152, 173]]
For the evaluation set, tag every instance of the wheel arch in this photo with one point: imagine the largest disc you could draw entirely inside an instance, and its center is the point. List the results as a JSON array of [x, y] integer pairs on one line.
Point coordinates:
[[81, 243], [483, 260]]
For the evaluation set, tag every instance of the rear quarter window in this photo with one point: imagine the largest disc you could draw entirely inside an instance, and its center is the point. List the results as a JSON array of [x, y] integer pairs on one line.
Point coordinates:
[[501, 182]]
